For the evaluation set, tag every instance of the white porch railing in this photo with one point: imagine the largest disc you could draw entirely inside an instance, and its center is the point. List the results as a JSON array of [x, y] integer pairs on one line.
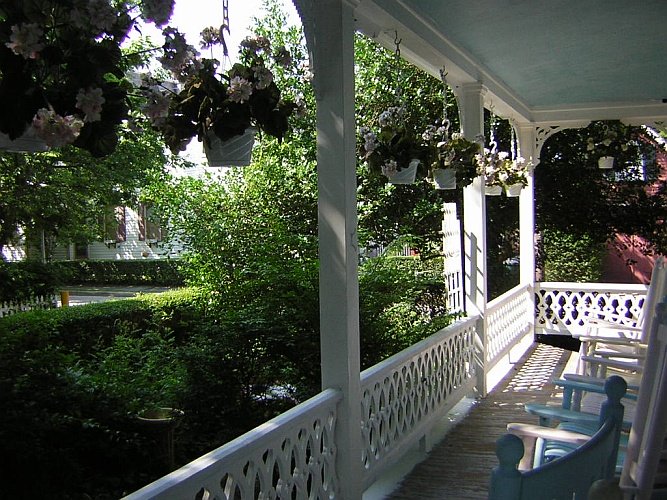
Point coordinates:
[[562, 307], [508, 319], [293, 455], [290, 456], [404, 395]]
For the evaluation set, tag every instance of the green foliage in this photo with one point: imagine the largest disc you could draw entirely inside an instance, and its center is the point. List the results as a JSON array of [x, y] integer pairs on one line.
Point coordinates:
[[65, 192], [23, 280], [579, 203], [567, 257], [162, 272], [401, 301]]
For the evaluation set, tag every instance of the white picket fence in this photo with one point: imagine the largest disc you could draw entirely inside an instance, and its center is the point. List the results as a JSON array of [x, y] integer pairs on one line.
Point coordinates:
[[39, 302]]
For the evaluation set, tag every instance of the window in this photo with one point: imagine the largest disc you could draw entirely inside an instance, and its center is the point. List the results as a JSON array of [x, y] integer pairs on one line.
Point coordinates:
[[149, 228], [113, 225]]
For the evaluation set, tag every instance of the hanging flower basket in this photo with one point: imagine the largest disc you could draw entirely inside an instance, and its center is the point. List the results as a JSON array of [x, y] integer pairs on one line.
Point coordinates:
[[27, 143], [234, 152], [606, 162], [444, 178], [494, 190], [405, 175], [514, 190]]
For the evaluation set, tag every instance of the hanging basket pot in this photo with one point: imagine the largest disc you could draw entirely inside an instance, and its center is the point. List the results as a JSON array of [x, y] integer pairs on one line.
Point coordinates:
[[27, 143], [234, 152], [444, 178], [606, 162], [494, 190], [406, 175], [514, 190]]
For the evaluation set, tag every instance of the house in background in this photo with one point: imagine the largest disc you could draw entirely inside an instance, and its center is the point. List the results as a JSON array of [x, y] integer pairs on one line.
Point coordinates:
[[634, 264], [129, 233]]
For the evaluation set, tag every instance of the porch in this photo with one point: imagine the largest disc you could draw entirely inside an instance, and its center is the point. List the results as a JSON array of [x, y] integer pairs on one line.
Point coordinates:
[[403, 403]]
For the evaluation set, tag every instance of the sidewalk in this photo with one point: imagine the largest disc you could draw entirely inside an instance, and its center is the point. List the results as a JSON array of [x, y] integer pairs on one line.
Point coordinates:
[[85, 294]]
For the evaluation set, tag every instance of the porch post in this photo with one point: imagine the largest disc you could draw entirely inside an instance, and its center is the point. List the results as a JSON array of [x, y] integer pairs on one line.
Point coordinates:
[[471, 106], [333, 58], [528, 150]]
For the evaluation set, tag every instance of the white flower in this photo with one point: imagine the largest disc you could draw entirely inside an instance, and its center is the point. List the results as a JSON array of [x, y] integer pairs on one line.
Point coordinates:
[[263, 77], [457, 136], [239, 89], [390, 168], [56, 130], [90, 102], [156, 108], [25, 40], [97, 14]]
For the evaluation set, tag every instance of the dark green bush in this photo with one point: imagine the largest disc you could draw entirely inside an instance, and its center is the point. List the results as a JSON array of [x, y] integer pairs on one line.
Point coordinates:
[[567, 257], [72, 380], [163, 272], [23, 280]]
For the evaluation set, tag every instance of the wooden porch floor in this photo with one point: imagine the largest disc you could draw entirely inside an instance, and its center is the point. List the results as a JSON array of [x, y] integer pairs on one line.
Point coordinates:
[[459, 467]]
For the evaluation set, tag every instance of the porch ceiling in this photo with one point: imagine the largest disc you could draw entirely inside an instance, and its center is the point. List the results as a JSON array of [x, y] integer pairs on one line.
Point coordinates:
[[540, 60]]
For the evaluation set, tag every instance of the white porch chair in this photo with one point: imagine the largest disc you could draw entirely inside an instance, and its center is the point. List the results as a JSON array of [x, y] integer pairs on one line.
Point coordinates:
[[617, 343]]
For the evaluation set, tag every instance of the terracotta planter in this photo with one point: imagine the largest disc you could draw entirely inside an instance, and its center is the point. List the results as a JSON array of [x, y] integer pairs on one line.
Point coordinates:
[[606, 162], [234, 152], [444, 178], [494, 190], [27, 143], [514, 190], [406, 175]]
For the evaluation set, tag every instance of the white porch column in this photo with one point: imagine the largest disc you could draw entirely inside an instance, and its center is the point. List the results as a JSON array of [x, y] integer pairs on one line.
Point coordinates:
[[528, 150], [333, 58], [471, 106]]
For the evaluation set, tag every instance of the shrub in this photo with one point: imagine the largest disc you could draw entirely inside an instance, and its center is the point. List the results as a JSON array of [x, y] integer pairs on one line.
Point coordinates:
[[23, 280], [567, 257], [163, 272]]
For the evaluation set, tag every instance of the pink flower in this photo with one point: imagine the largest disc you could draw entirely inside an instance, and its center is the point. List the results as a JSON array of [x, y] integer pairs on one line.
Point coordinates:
[[90, 102], [239, 89], [25, 40], [56, 130]]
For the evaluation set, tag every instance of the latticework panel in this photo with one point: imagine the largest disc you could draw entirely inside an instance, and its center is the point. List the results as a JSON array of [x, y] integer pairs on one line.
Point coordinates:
[[508, 320], [564, 306], [453, 265], [290, 457], [412, 387]]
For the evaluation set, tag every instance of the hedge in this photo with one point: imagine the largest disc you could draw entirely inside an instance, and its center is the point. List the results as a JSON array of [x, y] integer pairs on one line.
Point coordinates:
[[163, 272]]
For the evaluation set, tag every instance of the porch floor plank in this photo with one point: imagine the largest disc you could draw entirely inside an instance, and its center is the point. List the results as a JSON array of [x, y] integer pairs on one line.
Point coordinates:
[[459, 467]]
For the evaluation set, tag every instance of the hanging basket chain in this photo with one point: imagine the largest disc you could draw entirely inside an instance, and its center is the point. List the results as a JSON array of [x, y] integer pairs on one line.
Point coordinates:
[[224, 27], [445, 95], [399, 72]]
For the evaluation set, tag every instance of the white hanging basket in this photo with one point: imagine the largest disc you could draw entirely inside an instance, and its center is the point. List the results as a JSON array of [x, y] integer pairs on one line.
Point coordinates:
[[514, 190], [606, 162], [444, 178], [494, 190], [234, 152], [406, 175], [27, 143]]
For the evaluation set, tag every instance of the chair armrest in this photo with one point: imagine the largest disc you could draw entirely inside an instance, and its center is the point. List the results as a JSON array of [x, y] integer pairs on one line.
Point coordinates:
[[614, 363], [529, 435], [537, 431], [547, 414], [575, 377], [609, 340]]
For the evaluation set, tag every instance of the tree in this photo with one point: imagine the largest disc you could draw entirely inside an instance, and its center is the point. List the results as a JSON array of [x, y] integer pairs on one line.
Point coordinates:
[[576, 199], [64, 192]]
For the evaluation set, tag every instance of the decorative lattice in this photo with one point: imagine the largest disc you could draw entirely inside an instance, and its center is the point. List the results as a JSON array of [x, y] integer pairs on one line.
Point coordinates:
[[291, 456], [562, 307], [404, 391], [507, 320], [453, 264]]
